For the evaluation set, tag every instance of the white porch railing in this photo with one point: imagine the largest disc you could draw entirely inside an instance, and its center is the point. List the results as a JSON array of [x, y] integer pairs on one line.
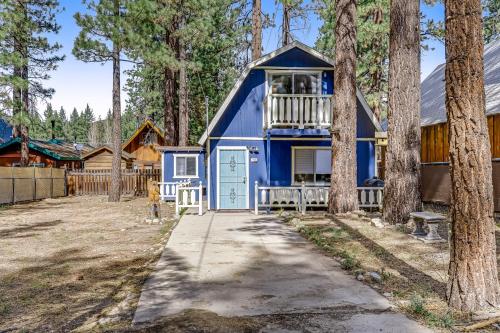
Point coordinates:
[[294, 110], [370, 197], [303, 197], [188, 196], [167, 189]]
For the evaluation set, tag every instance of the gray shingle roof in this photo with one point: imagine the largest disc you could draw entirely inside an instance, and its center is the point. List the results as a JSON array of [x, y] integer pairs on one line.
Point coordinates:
[[433, 88]]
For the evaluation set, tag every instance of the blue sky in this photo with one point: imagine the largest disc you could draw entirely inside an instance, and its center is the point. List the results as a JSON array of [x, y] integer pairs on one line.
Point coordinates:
[[78, 83]]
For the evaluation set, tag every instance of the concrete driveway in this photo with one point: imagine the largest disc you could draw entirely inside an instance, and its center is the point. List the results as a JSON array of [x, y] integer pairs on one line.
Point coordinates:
[[239, 264]]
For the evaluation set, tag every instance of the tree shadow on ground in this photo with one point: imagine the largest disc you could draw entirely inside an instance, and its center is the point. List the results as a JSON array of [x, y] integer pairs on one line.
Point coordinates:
[[30, 229], [61, 291], [243, 291], [410, 273]]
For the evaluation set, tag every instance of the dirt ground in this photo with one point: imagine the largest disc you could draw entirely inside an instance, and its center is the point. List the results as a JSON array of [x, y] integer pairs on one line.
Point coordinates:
[[79, 263], [413, 274], [71, 262]]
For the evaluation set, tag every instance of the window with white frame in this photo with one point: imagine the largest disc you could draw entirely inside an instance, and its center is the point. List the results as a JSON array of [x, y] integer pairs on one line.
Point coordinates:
[[311, 165], [295, 83], [185, 166]]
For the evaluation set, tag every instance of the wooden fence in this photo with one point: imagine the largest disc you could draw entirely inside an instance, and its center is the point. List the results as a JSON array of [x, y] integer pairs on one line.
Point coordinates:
[[98, 182], [27, 184]]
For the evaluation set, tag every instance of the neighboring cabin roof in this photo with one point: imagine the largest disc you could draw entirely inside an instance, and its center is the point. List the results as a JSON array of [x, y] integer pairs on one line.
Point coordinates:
[[140, 129], [57, 149], [125, 155], [433, 88], [265, 59]]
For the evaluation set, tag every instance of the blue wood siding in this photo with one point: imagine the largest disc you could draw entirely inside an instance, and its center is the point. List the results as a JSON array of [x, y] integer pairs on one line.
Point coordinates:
[[327, 83], [364, 125], [168, 167], [281, 159], [281, 162], [243, 116], [296, 58]]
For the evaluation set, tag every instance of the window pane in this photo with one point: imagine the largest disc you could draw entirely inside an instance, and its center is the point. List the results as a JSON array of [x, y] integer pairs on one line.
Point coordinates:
[[191, 166], [323, 179], [180, 166], [281, 83], [302, 177], [304, 161], [323, 161], [306, 83]]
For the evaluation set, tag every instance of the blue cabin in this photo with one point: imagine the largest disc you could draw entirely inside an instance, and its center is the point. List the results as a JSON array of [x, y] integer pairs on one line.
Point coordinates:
[[272, 130]]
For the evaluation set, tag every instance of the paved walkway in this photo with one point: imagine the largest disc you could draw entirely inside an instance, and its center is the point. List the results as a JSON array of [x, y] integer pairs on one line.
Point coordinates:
[[239, 264]]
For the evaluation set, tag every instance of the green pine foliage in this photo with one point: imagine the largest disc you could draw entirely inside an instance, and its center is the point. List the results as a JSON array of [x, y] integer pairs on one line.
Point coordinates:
[[99, 27], [215, 32], [24, 44], [372, 47], [491, 20]]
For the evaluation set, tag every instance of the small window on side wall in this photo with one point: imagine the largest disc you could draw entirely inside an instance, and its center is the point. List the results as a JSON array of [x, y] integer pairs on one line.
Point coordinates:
[[186, 166]]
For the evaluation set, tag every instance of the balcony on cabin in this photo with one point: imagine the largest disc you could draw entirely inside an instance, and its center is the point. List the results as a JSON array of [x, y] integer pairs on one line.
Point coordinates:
[[296, 100]]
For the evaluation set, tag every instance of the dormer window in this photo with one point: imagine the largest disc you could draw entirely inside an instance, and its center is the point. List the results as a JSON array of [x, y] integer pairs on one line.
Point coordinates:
[[297, 83]]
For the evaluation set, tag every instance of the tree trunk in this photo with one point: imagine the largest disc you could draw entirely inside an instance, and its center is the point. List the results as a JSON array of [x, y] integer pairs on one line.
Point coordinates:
[[25, 100], [170, 120], [116, 177], [20, 97], [473, 278], [287, 37], [183, 107], [343, 195], [402, 175], [256, 30]]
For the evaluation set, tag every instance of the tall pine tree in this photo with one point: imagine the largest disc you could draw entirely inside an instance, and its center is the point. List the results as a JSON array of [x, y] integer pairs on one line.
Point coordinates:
[[342, 197], [473, 275], [101, 39], [26, 58]]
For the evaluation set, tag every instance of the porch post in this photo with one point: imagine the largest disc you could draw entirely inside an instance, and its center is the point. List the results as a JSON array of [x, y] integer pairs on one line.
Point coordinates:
[[303, 198], [268, 162], [200, 199], [256, 198], [268, 157], [177, 200]]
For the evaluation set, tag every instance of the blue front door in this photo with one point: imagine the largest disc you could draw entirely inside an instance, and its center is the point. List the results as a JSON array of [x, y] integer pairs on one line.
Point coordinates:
[[232, 179]]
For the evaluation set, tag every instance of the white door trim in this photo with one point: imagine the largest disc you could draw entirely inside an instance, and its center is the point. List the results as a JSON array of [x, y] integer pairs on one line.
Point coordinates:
[[245, 149]]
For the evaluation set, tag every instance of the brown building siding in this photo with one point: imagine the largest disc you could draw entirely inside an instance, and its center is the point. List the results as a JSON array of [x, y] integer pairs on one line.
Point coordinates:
[[10, 157], [436, 183], [435, 146], [104, 161]]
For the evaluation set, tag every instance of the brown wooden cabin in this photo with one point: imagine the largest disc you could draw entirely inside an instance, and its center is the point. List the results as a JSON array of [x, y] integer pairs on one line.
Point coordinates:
[[436, 182], [101, 158], [143, 146], [53, 153]]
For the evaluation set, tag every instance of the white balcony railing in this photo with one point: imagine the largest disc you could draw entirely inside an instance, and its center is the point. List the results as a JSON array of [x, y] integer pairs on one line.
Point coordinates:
[[298, 111]]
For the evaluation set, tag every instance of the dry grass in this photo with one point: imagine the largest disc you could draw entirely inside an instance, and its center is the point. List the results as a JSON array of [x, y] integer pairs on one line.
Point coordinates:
[[413, 273], [64, 262]]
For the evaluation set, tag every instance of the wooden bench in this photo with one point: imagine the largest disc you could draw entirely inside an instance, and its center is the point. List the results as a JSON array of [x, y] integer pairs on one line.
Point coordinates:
[[432, 220]]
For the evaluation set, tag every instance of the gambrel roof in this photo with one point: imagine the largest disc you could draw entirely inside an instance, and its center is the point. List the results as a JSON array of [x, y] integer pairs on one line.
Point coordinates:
[[265, 59], [434, 90]]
